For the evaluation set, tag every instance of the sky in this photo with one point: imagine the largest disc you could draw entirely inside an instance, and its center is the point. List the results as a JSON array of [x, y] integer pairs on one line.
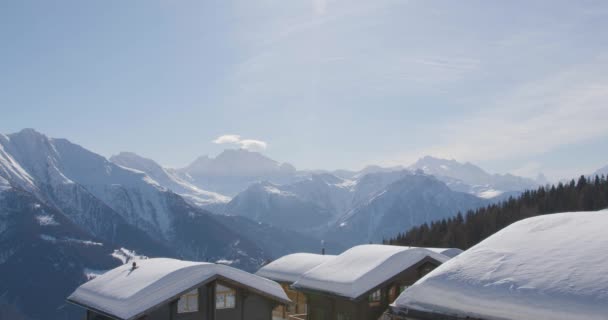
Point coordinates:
[[513, 86]]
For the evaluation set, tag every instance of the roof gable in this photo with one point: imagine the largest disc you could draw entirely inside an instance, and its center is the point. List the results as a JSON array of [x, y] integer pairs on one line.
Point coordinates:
[[361, 268], [126, 293], [289, 268]]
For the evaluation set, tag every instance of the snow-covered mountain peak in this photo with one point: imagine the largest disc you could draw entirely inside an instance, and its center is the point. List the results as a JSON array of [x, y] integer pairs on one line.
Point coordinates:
[[168, 179], [233, 170], [470, 178], [450, 168], [238, 162]]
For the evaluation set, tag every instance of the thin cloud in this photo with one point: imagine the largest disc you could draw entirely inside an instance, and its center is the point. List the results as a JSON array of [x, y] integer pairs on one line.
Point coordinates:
[[227, 138], [235, 139]]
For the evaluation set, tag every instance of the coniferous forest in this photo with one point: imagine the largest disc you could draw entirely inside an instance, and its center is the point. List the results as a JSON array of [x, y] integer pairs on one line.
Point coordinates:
[[464, 231]]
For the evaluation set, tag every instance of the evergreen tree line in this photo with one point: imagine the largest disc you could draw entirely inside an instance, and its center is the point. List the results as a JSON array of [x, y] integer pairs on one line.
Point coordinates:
[[464, 231]]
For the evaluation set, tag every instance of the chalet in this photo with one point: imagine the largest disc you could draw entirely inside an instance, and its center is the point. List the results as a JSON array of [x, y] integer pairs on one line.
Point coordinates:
[[168, 289], [361, 282], [547, 267], [286, 271]]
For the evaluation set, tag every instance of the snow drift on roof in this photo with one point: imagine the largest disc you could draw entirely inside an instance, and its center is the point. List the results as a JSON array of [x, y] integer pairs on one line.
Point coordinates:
[[290, 267], [362, 268], [449, 252], [548, 267], [126, 293]]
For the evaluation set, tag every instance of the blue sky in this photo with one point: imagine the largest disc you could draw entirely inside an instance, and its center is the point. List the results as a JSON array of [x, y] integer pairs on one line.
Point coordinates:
[[514, 86]]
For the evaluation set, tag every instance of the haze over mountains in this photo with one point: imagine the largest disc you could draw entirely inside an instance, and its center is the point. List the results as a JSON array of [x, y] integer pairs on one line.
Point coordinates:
[[68, 212], [65, 211]]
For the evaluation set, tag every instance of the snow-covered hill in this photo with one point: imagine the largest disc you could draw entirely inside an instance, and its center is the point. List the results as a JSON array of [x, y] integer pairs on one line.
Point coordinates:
[[233, 170], [169, 179]]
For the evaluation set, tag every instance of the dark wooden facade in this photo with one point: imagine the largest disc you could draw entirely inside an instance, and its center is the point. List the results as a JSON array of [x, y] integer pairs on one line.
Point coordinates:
[[295, 310], [370, 305], [248, 305]]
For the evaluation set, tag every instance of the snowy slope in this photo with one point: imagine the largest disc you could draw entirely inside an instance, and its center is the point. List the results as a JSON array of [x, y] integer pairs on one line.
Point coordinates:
[[168, 179], [43, 257], [546, 267], [105, 198]]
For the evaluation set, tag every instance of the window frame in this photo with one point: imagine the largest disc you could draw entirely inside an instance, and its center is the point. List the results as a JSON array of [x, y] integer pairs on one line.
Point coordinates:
[[227, 292], [185, 298], [375, 298]]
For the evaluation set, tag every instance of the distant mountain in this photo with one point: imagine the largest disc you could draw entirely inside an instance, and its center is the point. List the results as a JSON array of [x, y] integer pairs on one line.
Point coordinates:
[[233, 170], [336, 209], [467, 177], [104, 198], [269, 203], [409, 201], [169, 179], [601, 171], [65, 211], [43, 257], [275, 240]]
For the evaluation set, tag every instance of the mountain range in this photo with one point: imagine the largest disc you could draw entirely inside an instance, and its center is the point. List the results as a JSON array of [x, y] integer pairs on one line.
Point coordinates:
[[65, 210], [67, 213]]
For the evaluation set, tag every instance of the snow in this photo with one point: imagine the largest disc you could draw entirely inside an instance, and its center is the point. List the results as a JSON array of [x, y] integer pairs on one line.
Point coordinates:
[[48, 238], [126, 255], [448, 252], [546, 267], [4, 184], [275, 190], [289, 268], [91, 274], [46, 220], [362, 268], [489, 194], [13, 171], [225, 261], [83, 242], [126, 293]]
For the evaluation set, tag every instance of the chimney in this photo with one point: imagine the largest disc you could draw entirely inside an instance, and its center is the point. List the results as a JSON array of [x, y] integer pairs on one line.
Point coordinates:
[[322, 247]]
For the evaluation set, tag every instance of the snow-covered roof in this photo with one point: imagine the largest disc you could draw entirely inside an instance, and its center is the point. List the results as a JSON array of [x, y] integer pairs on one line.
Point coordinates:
[[125, 293], [289, 268], [449, 252], [362, 268], [547, 267]]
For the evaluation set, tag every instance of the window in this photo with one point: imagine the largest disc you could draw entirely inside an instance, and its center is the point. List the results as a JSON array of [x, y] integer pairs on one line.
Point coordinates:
[[225, 298], [375, 297], [188, 302]]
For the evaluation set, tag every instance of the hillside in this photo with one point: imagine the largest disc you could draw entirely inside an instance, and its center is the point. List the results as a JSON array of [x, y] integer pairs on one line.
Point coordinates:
[[464, 231]]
